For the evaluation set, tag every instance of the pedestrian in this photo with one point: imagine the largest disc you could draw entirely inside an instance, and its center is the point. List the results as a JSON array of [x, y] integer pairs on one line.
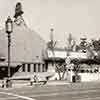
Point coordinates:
[[31, 80], [35, 78], [7, 83], [3, 83]]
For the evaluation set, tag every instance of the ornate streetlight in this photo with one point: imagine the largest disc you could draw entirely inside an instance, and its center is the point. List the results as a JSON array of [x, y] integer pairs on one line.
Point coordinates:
[[9, 29]]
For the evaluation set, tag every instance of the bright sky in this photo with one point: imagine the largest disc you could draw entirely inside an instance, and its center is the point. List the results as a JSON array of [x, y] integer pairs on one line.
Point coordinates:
[[65, 16]]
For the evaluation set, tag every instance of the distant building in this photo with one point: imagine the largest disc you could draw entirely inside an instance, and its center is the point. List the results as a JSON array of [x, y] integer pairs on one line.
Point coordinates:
[[26, 48]]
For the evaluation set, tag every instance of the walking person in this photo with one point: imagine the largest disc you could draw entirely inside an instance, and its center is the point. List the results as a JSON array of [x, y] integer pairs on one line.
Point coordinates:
[[31, 80], [3, 84]]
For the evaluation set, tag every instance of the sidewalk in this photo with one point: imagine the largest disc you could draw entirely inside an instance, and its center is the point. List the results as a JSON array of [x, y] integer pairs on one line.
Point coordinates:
[[59, 82], [15, 84], [27, 84]]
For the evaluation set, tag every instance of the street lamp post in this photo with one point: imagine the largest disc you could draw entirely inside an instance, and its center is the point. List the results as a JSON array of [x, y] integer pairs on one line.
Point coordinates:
[[9, 29]]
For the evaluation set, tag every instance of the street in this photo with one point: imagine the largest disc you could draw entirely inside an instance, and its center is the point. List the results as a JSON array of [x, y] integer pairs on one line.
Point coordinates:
[[72, 91]]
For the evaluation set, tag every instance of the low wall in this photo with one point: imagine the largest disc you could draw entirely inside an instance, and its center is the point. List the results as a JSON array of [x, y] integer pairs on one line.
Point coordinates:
[[84, 77], [90, 76]]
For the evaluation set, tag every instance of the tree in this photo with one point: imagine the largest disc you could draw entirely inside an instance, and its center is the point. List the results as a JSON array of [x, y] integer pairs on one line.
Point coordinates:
[[96, 45], [70, 43], [83, 44], [61, 69], [96, 48], [76, 66], [90, 52], [51, 44]]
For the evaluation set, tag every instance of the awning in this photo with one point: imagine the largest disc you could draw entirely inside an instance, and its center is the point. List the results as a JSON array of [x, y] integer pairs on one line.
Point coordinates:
[[12, 64]]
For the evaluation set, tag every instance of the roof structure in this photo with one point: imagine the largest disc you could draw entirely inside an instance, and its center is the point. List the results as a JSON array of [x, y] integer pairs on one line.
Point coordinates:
[[26, 44]]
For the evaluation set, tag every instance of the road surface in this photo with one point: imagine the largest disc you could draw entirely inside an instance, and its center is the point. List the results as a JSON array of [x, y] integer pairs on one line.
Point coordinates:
[[75, 91]]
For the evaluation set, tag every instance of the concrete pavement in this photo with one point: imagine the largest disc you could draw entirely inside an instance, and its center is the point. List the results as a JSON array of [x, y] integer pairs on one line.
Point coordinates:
[[72, 91], [19, 84]]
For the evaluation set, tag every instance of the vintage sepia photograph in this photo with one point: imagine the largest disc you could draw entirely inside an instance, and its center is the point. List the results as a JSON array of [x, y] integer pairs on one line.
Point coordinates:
[[49, 49]]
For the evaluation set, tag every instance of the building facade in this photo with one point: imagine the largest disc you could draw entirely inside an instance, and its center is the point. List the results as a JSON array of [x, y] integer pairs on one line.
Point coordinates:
[[26, 47]]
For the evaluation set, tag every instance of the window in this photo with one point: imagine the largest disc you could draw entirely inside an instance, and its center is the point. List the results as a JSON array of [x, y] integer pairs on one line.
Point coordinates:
[[46, 66], [34, 68], [38, 67], [28, 67], [23, 68], [43, 68]]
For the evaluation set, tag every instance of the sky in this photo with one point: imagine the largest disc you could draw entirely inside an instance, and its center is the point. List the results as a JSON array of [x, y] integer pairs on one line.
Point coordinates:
[[78, 17]]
